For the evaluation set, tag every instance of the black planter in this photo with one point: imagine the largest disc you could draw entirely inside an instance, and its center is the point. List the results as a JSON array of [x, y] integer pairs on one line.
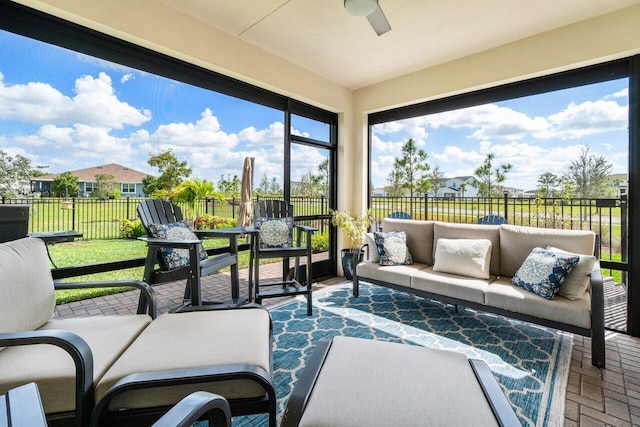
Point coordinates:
[[347, 262]]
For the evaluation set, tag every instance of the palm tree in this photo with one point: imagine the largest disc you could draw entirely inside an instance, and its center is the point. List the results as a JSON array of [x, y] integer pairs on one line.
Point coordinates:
[[194, 189]]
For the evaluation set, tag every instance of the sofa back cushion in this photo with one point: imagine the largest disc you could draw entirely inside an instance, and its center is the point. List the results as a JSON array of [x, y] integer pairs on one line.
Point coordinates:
[[27, 297], [419, 237], [517, 242], [446, 230]]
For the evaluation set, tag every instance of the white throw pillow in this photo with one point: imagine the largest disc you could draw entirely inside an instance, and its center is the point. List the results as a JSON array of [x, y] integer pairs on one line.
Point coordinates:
[[577, 282], [374, 256], [466, 257]]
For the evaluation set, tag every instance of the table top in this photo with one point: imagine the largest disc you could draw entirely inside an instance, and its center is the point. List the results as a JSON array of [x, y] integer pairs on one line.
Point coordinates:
[[57, 236]]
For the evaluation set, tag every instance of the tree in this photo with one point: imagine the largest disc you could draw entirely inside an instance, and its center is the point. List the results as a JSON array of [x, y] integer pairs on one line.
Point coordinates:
[[106, 186], [274, 187], [65, 185], [463, 188], [195, 189], [395, 187], [15, 174], [589, 175], [487, 178], [230, 187], [436, 179], [412, 167], [172, 172], [548, 184]]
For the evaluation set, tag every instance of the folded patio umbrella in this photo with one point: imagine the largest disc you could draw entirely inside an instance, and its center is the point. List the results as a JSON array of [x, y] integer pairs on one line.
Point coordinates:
[[244, 212]]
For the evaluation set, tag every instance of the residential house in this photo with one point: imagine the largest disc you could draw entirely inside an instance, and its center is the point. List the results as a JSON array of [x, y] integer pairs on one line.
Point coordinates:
[[129, 180]]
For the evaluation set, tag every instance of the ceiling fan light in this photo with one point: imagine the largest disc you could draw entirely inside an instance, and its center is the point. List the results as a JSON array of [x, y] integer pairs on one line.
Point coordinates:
[[360, 7]]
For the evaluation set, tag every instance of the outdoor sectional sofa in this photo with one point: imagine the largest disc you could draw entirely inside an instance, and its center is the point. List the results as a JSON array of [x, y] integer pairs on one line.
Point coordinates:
[[125, 369], [510, 247]]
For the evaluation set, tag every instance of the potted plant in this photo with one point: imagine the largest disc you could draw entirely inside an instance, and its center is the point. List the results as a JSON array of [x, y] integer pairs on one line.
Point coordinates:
[[354, 229]]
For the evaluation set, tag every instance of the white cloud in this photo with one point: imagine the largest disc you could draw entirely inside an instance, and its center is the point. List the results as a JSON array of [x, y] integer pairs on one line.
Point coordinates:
[[127, 77], [624, 93], [588, 118], [94, 104]]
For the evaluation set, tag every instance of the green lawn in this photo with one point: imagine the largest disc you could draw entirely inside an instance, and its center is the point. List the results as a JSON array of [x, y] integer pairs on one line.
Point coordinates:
[[96, 251]]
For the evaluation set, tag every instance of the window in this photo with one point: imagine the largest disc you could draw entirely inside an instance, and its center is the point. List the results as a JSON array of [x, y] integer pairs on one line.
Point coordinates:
[[89, 187], [127, 188], [156, 103]]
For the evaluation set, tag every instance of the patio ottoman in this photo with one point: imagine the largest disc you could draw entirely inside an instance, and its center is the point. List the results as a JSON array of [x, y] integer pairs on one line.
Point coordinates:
[[360, 382]]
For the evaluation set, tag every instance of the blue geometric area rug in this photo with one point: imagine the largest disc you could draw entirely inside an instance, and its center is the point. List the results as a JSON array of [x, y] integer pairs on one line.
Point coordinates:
[[531, 363]]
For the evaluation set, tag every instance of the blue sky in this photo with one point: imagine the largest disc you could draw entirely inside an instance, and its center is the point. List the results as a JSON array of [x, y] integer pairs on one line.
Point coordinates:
[[536, 134], [70, 111]]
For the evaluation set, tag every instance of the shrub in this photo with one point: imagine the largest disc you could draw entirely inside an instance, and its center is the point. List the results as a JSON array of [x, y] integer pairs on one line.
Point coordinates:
[[208, 222], [320, 242], [131, 229]]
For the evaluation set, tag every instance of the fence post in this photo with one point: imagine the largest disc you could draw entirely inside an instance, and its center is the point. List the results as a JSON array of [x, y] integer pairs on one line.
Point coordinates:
[[73, 213], [506, 204], [426, 206], [128, 213]]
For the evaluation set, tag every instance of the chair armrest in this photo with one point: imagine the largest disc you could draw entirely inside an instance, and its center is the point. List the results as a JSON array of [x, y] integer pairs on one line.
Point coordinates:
[[181, 377], [168, 243], [192, 407], [306, 228], [144, 288], [79, 351]]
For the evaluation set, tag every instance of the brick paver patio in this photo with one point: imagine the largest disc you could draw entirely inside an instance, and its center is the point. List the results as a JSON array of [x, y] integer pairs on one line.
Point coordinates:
[[609, 397]]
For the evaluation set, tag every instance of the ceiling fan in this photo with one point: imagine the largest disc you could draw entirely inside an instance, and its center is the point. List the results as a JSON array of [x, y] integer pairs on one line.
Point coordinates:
[[371, 9]]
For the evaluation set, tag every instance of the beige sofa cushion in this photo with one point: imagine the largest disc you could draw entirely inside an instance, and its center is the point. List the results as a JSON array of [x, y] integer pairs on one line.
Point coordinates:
[[374, 383], [451, 285], [394, 274], [577, 281], [444, 230], [27, 297], [467, 257], [53, 369], [502, 294], [192, 340], [419, 237], [516, 242]]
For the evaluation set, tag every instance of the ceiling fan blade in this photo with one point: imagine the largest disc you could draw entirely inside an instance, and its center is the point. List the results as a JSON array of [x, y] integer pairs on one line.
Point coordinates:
[[378, 21]]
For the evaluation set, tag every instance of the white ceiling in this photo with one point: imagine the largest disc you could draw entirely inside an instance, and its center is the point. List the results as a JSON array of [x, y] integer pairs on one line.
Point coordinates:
[[321, 36]]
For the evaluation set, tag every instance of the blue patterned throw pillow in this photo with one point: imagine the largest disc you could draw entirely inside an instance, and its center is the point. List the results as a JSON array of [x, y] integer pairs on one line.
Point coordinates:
[[544, 271], [275, 232], [175, 258], [392, 248]]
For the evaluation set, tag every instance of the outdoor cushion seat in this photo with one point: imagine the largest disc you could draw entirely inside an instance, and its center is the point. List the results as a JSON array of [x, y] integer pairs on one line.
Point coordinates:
[[395, 274], [52, 368], [232, 339], [451, 285], [503, 294], [144, 367]]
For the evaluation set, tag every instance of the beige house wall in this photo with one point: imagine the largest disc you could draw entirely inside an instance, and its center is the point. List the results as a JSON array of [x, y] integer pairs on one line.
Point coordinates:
[[610, 36]]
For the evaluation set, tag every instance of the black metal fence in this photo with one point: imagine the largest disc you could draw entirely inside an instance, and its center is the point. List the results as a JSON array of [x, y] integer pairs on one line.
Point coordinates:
[[607, 217], [101, 219]]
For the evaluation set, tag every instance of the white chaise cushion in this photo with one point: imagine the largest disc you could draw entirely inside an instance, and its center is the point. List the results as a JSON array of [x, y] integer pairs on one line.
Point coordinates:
[[27, 296], [467, 257]]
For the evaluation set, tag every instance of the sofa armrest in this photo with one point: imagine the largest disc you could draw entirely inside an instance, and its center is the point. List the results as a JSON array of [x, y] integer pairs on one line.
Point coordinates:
[[82, 357], [597, 317], [145, 289]]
